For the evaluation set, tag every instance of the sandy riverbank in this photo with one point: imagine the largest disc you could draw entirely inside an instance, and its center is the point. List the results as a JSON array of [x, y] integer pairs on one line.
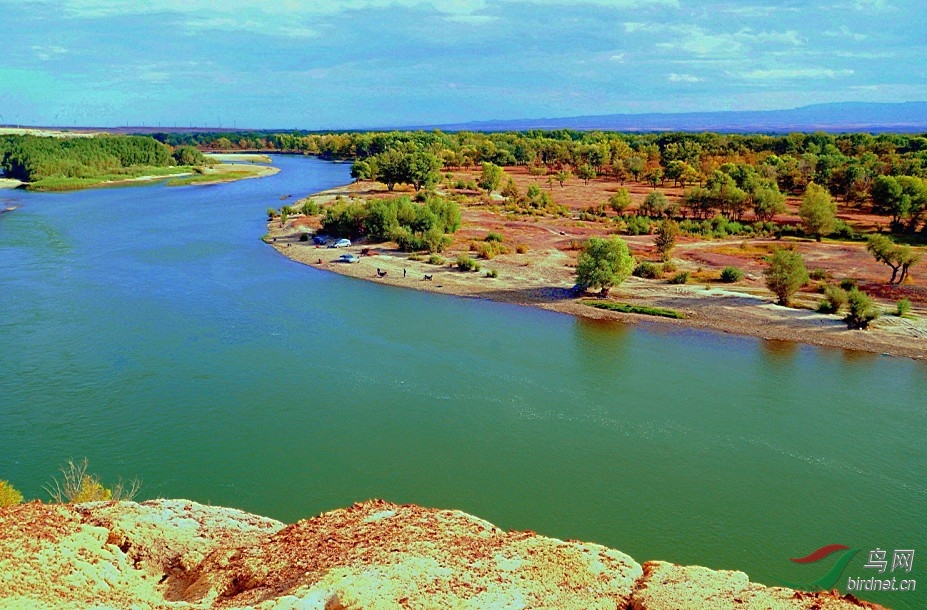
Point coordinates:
[[543, 278]]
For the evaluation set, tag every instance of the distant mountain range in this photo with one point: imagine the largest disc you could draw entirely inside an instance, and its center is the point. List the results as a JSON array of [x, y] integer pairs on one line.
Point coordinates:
[[908, 117]]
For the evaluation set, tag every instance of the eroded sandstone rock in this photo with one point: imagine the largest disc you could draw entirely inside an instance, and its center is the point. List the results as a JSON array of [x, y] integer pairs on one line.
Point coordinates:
[[179, 554]]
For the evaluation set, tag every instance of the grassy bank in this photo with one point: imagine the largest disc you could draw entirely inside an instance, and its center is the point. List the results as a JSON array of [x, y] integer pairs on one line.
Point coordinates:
[[639, 309]]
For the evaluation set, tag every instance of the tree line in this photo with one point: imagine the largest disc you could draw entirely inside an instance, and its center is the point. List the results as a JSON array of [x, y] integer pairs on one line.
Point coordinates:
[[34, 158], [729, 174]]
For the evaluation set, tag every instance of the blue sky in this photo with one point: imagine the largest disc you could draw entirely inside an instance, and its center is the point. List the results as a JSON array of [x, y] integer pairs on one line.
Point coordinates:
[[371, 63]]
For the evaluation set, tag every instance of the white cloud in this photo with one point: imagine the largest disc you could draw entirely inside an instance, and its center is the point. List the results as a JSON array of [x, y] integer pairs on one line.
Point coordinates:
[[845, 33], [45, 53], [790, 37], [792, 73], [617, 58], [695, 40], [683, 78]]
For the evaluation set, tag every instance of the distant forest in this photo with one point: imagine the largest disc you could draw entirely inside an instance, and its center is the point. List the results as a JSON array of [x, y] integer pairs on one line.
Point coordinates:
[[729, 174], [67, 161]]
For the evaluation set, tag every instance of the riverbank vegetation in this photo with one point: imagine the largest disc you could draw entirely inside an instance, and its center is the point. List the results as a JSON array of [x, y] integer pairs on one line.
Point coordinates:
[[734, 176], [59, 163], [75, 484], [424, 226], [638, 309]]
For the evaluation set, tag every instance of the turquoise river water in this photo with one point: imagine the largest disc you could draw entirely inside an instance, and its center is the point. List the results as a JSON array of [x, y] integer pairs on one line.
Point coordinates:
[[151, 331]]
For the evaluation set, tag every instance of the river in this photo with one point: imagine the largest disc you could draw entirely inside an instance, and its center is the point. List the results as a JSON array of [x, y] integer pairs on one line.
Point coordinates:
[[149, 330]]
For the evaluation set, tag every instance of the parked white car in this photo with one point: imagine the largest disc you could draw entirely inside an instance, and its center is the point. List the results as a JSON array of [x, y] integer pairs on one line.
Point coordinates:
[[341, 243]]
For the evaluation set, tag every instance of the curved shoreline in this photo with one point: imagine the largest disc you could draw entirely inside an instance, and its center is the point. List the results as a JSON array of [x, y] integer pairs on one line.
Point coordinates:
[[527, 282]]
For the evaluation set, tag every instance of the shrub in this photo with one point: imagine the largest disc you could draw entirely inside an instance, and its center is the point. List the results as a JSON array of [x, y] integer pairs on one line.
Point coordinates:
[[620, 200], [9, 495], [848, 283], [861, 310], [272, 213], [731, 274], [521, 248], [680, 278], [817, 274], [669, 267], [843, 231], [492, 273], [435, 259], [465, 263], [638, 225], [310, 208], [834, 299], [493, 237], [903, 307], [303, 237], [489, 249], [648, 271], [77, 486]]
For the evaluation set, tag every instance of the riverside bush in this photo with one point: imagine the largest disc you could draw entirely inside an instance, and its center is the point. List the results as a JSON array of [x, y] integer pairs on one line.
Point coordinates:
[[77, 485], [9, 495], [680, 278], [465, 263], [861, 310], [834, 299], [903, 307], [817, 274], [648, 271], [731, 274]]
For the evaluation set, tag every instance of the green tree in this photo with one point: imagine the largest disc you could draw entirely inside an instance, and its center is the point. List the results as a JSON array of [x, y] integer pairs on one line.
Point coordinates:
[[361, 170], [767, 202], [491, 177], [785, 274], [604, 263], [817, 211], [620, 201], [586, 172], [897, 257], [665, 240], [635, 165], [655, 204], [562, 176], [654, 176], [391, 167], [889, 198], [421, 169], [188, 155]]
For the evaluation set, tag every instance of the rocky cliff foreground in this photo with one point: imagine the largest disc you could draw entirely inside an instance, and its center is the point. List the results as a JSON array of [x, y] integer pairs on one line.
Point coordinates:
[[179, 554]]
